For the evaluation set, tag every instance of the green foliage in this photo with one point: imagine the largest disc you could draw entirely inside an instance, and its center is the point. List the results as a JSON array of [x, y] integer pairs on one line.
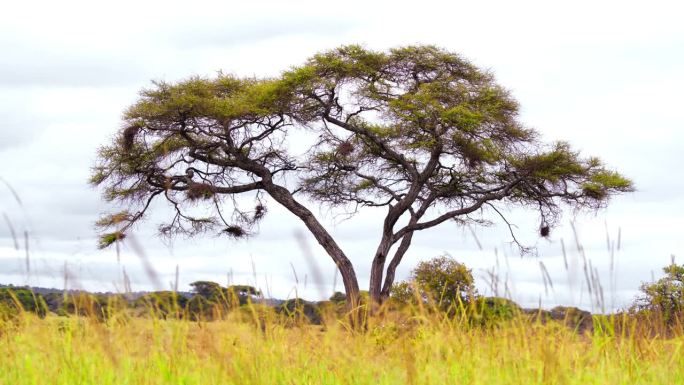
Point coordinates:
[[113, 219], [442, 281], [14, 301], [601, 183], [200, 308], [553, 165], [209, 302], [211, 291], [243, 290], [338, 297], [430, 100], [445, 281], [109, 238], [212, 301], [54, 301], [665, 297], [578, 320], [493, 311], [403, 292], [299, 311]]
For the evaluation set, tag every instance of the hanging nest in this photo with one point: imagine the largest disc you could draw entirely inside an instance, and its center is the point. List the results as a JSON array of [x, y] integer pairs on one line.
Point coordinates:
[[259, 212], [544, 231], [235, 231], [200, 191], [345, 148], [129, 134]]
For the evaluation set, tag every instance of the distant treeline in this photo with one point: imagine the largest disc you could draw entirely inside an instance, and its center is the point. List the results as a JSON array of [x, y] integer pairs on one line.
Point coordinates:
[[210, 301], [207, 301], [440, 286]]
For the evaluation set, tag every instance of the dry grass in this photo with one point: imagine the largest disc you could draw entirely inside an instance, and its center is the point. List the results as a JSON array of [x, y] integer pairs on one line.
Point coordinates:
[[420, 349]]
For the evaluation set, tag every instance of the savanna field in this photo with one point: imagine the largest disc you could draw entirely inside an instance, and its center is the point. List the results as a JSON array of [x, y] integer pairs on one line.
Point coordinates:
[[253, 345]]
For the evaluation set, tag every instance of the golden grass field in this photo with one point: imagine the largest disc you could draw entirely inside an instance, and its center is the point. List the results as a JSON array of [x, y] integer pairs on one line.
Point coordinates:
[[247, 348]]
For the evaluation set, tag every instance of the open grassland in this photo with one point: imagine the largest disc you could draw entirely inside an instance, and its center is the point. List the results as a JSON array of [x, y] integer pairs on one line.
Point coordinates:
[[418, 350]]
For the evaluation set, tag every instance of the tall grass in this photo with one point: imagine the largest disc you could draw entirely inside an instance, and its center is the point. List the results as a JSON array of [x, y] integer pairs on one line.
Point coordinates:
[[253, 346]]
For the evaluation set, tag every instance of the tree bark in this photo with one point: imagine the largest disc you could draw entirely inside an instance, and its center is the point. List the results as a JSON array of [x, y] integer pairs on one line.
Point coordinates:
[[283, 196], [394, 263], [377, 269], [344, 265]]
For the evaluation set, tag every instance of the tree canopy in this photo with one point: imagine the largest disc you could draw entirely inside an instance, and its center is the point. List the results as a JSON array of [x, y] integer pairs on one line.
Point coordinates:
[[417, 130]]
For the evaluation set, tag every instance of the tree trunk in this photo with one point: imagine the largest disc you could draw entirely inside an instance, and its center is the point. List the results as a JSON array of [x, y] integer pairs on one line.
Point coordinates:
[[283, 196], [344, 265], [394, 263], [377, 269]]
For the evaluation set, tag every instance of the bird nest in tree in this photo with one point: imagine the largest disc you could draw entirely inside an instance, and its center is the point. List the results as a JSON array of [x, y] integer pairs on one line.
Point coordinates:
[[544, 231], [199, 191], [129, 134], [345, 148], [235, 231], [259, 211]]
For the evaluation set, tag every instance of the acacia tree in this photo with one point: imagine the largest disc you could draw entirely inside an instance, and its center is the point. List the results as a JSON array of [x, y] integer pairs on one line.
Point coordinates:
[[418, 131]]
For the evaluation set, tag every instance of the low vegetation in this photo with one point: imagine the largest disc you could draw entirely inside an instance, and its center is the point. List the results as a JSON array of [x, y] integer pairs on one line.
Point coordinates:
[[232, 336]]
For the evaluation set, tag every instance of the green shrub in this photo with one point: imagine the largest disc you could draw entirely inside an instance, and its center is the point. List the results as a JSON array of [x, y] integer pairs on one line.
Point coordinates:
[[442, 282], [300, 311], [664, 299], [493, 310], [14, 301]]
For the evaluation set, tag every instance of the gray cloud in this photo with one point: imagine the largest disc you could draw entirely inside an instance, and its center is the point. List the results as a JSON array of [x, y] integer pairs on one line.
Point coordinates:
[[19, 125], [49, 69], [226, 33]]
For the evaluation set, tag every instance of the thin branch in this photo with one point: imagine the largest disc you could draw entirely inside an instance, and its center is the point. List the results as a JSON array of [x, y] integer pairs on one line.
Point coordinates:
[[510, 228]]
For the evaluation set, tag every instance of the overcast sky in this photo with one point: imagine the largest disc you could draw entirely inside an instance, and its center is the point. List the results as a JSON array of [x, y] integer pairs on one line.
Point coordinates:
[[606, 76]]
